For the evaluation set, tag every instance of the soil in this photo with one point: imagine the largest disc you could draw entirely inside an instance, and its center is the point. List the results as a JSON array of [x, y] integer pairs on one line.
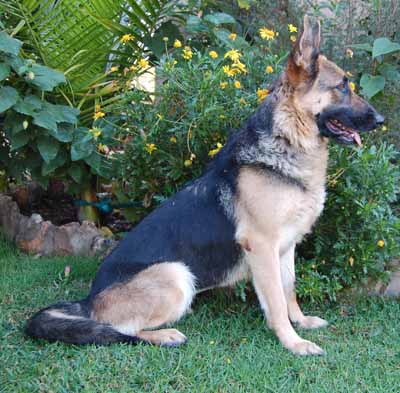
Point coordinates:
[[57, 206]]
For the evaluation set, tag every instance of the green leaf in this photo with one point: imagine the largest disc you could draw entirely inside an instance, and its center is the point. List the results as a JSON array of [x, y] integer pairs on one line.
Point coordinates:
[[8, 98], [195, 25], [48, 148], [95, 163], [244, 4], [46, 78], [219, 18], [51, 114], [28, 106], [59, 161], [45, 119], [372, 85], [64, 132], [76, 172], [383, 46], [366, 47], [82, 145], [390, 72], [5, 71], [9, 45], [19, 140]]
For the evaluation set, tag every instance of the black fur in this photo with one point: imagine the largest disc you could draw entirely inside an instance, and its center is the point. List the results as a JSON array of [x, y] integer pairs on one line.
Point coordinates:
[[74, 331], [193, 227]]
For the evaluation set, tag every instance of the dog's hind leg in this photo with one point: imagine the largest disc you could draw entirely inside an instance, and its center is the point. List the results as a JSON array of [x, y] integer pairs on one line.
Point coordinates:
[[288, 275], [264, 262], [156, 296]]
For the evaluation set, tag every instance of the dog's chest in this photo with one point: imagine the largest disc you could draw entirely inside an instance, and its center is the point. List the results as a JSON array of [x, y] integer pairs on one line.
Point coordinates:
[[277, 210]]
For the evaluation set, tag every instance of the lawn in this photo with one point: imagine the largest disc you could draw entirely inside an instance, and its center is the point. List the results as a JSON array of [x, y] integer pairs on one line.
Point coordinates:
[[229, 348]]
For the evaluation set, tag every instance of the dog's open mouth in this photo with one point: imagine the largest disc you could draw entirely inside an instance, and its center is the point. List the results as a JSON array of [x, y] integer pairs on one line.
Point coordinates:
[[346, 134]]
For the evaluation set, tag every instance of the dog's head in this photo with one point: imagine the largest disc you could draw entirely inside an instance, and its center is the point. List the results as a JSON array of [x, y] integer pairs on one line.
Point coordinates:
[[322, 90]]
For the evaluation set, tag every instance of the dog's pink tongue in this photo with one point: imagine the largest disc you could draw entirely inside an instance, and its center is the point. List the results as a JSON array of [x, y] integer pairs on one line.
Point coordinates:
[[357, 138]]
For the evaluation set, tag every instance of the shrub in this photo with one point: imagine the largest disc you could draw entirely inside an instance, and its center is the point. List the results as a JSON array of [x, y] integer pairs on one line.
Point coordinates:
[[358, 233], [40, 138], [173, 135]]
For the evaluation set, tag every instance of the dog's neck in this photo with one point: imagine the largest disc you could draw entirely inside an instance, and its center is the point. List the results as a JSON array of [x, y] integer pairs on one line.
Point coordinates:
[[288, 141]]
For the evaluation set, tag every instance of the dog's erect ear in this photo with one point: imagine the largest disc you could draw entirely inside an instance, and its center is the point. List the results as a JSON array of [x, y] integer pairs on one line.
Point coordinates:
[[302, 63]]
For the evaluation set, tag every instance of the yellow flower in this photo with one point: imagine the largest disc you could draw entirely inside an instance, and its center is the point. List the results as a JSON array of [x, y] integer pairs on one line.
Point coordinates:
[[96, 132], [233, 54], [223, 85], [228, 71], [213, 54], [114, 69], [97, 108], [173, 139], [126, 38], [239, 67], [188, 163], [261, 94], [133, 68], [292, 28], [352, 86], [98, 115], [242, 101], [150, 147], [237, 84], [213, 152], [187, 53], [103, 148], [349, 53], [380, 243], [143, 63], [266, 34], [351, 261], [293, 38], [177, 44], [233, 36], [269, 70]]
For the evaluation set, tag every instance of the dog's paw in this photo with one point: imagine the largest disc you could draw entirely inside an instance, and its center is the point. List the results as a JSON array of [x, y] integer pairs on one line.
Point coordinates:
[[304, 348], [163, 337], [312, 323]]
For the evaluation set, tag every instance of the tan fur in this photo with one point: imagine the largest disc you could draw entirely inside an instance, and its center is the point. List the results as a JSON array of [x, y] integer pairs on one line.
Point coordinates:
[[159, 295]]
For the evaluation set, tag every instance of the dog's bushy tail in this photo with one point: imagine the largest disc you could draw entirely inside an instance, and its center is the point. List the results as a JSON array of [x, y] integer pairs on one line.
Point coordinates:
[[70, 322]]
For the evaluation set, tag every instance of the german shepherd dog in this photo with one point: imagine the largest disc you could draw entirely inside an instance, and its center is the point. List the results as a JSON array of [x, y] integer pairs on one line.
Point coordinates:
[[242, 219]]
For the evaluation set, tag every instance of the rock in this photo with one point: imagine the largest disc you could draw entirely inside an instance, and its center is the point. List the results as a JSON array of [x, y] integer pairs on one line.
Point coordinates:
[[41, 238]]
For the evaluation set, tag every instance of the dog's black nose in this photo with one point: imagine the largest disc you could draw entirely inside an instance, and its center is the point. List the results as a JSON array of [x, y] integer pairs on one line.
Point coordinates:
[[379, 119]]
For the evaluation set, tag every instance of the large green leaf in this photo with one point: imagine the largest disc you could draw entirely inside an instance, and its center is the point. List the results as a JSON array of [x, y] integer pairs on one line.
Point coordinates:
[[46, 78], [57, 162], [30, 105], [9, 45], [82, 145], [390, 72], [8, 98], [219, 18], [372, 85], [76, 172], [48, 148], [19, 140], [5, 71], [64, 132], [383, 46], [50, 115]]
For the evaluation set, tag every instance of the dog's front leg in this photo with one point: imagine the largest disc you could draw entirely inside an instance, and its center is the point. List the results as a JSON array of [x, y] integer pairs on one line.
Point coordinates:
[[288, 275], [264, 262]]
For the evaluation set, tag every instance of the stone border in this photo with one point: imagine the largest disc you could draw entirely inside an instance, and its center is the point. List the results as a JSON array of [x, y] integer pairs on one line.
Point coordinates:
[[42, 238]]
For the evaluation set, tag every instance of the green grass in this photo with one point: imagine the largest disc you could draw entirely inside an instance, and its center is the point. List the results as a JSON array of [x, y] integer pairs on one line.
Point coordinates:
[[229, 348]]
